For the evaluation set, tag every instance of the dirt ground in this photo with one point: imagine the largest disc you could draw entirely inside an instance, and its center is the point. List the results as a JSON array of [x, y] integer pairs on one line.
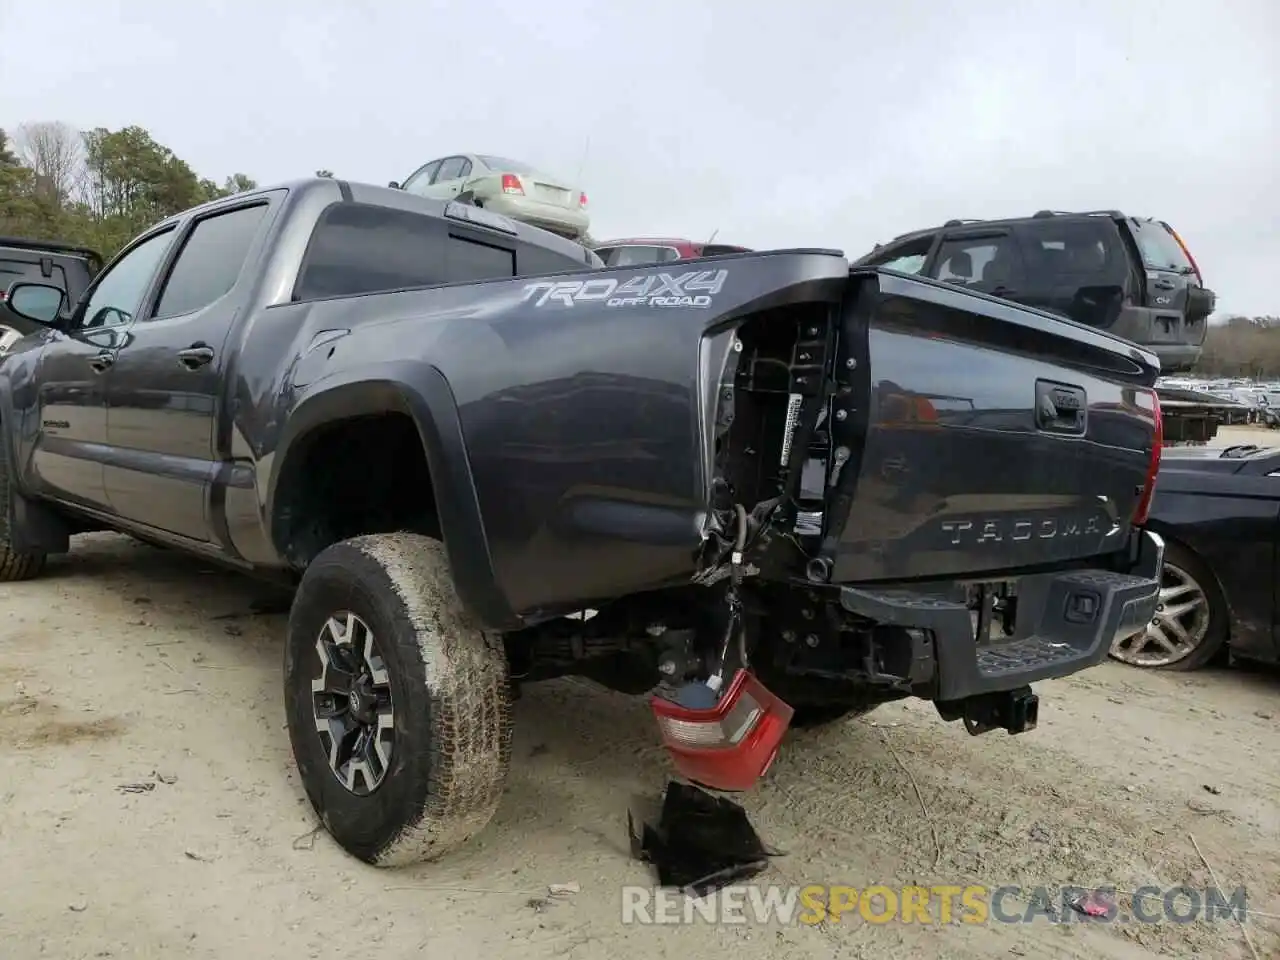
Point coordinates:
[[149, 807]]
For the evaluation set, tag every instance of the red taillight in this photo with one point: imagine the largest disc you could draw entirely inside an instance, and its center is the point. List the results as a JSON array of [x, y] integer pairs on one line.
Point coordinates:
[[511, 184], [1153, 468], [1187, 253], [582, 199], [731, 745]]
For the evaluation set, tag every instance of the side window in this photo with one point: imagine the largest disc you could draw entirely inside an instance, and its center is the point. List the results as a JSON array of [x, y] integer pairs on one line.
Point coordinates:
[[906, 257], [533, 259], [472, 260], [986, 261], [119, 294], [422, 179], [361, 248], [450, 169], [608, 254], [210, 261], [465, 171]]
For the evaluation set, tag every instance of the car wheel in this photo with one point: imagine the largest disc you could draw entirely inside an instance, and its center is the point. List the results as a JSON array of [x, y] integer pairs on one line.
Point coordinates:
[[397, 703], [14, 566], [1190, 625]]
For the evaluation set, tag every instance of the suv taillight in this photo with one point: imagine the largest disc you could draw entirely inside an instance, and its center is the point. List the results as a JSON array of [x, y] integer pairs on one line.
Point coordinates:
[[582, 200], [1187, 253], [731, 745], [1153, 467], [511, 184]]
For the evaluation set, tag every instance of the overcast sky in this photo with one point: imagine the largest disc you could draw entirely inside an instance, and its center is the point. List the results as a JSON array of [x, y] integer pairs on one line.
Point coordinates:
[[800, 123]]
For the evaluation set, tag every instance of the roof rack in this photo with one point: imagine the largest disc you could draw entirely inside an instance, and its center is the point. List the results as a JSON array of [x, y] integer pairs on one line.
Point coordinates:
[[51, 246], [1043, 214]]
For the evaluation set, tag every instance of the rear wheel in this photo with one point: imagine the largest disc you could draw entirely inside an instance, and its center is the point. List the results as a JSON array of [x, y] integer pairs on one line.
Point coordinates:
[[397, 703], [14, 566], [1190, 624]]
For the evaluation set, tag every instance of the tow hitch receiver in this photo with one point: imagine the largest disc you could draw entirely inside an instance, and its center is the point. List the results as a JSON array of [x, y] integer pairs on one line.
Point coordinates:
[[730, 744], [1016, 711]]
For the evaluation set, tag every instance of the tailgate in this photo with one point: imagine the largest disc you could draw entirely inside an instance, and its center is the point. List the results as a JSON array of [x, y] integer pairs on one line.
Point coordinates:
[[976, 437]]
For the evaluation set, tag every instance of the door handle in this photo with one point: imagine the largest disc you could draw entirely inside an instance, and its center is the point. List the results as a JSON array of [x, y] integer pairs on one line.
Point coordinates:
[[195, 356], [102, 361]]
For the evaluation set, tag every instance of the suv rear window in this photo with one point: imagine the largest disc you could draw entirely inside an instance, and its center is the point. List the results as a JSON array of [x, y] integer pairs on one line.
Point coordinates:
[[1160, 251], [1054, 248]]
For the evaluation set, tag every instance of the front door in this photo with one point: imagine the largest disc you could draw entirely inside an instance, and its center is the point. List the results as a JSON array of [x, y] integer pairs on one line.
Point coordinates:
[[74, 370], [165, 391]]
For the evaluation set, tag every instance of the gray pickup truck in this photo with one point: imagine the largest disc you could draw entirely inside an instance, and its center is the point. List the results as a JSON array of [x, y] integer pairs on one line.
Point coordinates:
[[767, 487]]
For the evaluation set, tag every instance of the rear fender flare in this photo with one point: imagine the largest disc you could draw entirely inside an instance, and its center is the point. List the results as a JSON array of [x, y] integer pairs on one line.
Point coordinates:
[[422, 392]]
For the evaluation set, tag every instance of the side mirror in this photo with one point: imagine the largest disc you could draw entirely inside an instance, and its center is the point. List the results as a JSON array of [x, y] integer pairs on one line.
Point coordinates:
[[38, 302], [394, 185]]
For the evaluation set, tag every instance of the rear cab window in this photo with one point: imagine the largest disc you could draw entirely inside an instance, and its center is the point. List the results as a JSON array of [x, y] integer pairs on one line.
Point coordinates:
[[359, 248], [1159, 248]]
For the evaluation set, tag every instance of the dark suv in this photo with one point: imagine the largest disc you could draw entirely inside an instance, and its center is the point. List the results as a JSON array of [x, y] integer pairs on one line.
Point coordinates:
[[60, 265], [1131, 276]]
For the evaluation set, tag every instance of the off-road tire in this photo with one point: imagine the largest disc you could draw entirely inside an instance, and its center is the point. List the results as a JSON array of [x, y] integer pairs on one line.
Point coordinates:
[[14, 566], [449, 688]]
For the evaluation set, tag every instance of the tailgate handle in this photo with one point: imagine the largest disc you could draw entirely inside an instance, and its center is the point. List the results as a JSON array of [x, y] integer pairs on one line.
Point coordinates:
[[1061, 408]]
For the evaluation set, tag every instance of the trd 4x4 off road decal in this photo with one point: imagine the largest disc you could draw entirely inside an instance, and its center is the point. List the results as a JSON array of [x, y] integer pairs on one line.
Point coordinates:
[[694, 289]]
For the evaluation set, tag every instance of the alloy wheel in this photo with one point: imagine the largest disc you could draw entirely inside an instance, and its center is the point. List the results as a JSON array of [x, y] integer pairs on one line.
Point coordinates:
[[351, 702], [1179, 626]]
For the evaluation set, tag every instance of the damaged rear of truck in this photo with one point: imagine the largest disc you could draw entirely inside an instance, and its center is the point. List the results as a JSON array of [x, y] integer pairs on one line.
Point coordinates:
[[876, 487], [761, 487]]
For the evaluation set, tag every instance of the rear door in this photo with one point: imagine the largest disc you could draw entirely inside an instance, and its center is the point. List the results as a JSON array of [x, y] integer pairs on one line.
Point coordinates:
[[165, 390]]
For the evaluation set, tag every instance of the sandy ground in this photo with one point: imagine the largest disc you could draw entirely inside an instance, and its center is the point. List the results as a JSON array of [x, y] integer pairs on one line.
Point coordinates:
[[128, 665]]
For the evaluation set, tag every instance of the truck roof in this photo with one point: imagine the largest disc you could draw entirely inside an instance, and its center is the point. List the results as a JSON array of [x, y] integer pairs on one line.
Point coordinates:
[[354, 191]]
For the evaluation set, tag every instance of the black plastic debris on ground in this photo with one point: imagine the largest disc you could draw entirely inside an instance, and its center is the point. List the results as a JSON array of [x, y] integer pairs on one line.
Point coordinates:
[[701, 842]]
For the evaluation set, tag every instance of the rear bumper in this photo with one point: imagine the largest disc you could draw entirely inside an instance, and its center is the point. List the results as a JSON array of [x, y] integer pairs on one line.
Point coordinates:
[[1066, 622], [1177, 341], [549, 216]]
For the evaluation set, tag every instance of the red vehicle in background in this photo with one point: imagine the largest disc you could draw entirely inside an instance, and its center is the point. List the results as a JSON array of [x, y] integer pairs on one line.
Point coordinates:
[[645, 251]]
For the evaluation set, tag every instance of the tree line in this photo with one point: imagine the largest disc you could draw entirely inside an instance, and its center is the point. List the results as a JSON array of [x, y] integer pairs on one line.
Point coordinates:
[[1242, 347], [96, 188]]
